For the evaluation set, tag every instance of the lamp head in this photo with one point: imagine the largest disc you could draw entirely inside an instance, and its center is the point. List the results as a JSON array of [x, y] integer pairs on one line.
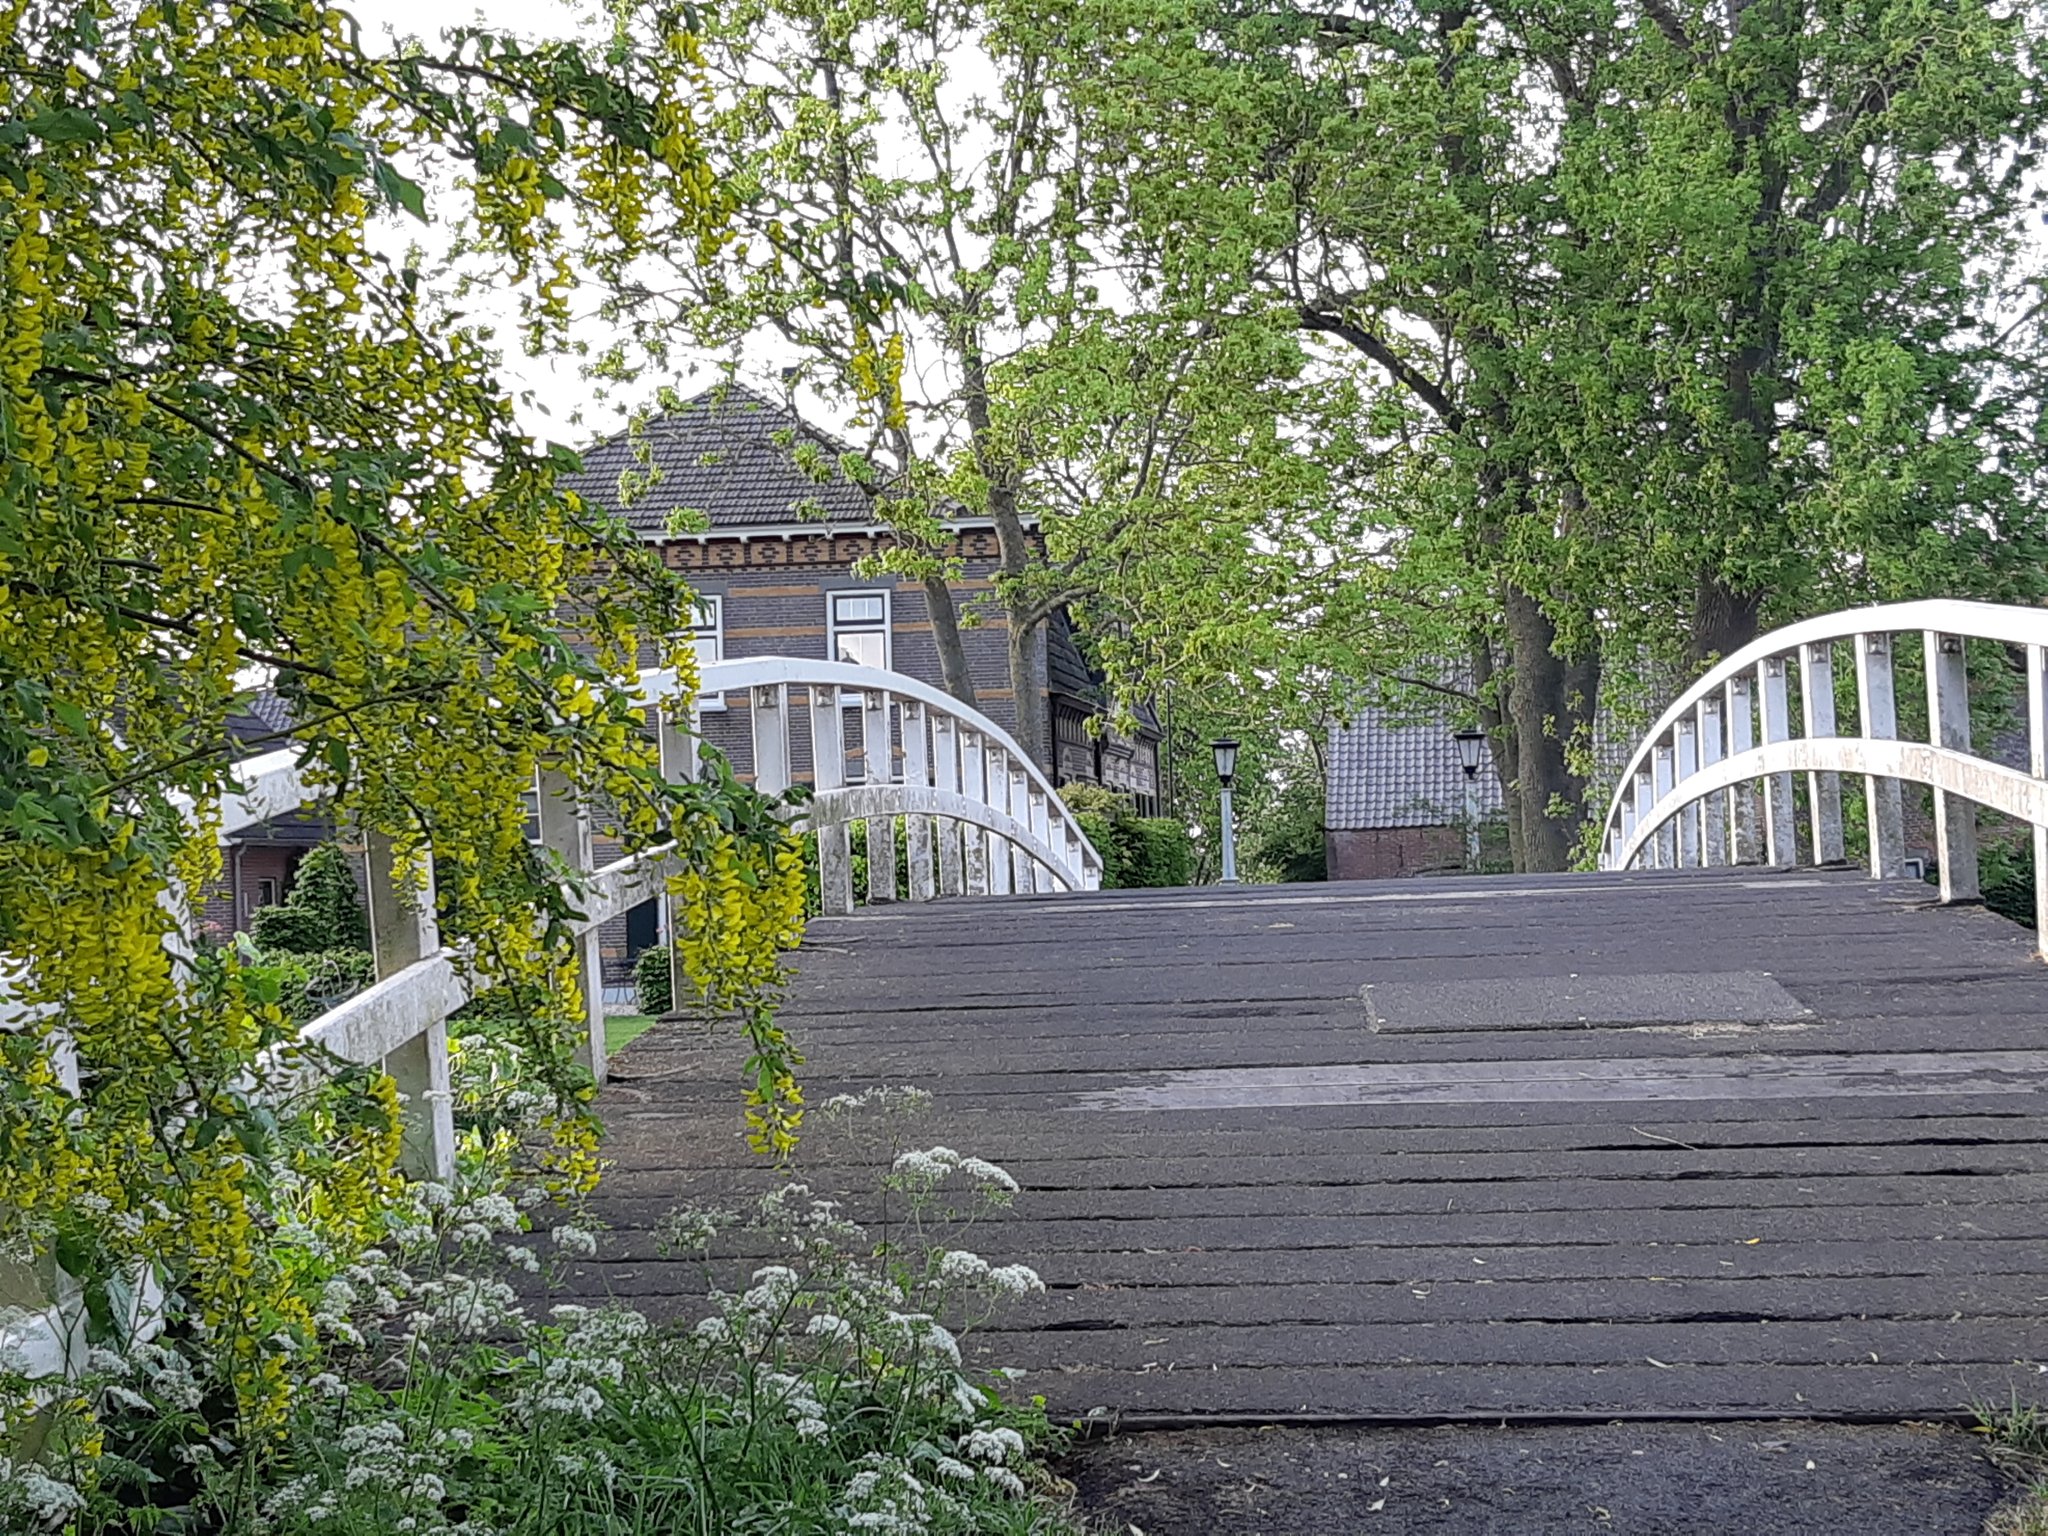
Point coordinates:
[[1470, 743], [1225, 748]]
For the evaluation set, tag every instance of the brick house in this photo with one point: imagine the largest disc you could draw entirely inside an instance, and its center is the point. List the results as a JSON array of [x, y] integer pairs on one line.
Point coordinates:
[[257, 866], [752, 504], [1394, 796]]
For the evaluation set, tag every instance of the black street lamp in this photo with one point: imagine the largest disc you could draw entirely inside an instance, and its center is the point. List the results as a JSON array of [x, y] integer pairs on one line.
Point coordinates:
[[1470, 745], [1225, 748]]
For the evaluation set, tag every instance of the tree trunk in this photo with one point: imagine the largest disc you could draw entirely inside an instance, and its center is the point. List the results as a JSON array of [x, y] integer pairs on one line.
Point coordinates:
[[1494, 719], [1540, 716], [938, 599], [1027, 679], [1723, 620]]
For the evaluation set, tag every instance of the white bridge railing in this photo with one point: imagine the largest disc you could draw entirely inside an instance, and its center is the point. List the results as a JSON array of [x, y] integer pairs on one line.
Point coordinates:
[[978, 818], [1712, 783]]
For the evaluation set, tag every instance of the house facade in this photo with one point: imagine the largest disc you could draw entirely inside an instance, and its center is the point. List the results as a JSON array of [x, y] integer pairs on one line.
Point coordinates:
[[754, 507], [1394, 796]]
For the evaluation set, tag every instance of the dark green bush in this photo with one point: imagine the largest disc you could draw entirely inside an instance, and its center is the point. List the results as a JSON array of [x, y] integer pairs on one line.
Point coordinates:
[[1137, 851], [321, 914], [653, 981], [309, 985]]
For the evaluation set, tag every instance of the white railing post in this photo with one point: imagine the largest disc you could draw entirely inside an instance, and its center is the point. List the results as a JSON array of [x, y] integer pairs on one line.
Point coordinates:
[[565, 832], [1661, 759], [1781, 837], [878, 766], [1021, 878], [1687, 734], [771, 732], [678, 732], [403, 930], [917, 829], [1713, 810], [1948, 721], [2037, 764], [974, 786], [1041, 829], [1646, 800], [1823, 790], [1878, 711], [828, 772], [1000, 865], [1746, 846], [946, 778]]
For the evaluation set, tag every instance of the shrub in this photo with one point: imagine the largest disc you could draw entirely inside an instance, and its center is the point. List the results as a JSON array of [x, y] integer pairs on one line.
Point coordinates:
[[1137, 851], [654, 979], [321, 913], [309, 985], [817, 1392]]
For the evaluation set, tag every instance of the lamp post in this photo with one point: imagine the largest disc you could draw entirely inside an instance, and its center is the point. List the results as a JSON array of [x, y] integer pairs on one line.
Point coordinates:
[[1470, 744], [1225, 748]]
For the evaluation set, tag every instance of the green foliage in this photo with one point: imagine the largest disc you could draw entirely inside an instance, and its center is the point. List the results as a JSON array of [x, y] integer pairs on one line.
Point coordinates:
[[812, 1387], [322, 911], [654, 979], [311, 982], [1286, 843], [2005, 873], [1137, 851]]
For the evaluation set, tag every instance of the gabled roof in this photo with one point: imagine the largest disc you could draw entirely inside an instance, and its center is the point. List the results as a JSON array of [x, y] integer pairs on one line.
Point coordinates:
[[718, 454], [1399, 770]]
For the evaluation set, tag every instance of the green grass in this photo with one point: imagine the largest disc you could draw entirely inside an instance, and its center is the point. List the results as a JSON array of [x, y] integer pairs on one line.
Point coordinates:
[[620, 1028]]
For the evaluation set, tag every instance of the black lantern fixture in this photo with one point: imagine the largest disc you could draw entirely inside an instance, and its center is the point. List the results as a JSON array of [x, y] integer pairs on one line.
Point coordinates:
[[1469, 745], [1225, 748]]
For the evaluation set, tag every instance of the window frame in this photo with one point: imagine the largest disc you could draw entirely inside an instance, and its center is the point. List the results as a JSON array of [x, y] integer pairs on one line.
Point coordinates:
[[714, 603], [884, 627]]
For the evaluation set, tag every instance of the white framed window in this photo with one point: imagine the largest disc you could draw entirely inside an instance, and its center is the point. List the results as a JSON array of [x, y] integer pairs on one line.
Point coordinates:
[[857, 627], [709, 635]]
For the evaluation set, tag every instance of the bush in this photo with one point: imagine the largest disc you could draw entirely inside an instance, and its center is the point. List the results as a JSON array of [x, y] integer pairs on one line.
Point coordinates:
[[1137, 851], [322, 912], [306, 986], [654, 979], [816, 1391]]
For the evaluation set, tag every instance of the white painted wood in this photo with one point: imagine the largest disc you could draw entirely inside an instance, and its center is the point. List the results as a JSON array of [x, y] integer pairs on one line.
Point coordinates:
[[1001, 868], [2037, 763], [1948, 722], [1688, 764], [828, 773], [403, 933], [1713, 746], [1781, 836], [1823, 790], [1041, 832], [1878, 719], [565, 832], [877, 755], [917, 833], [1020, 807], [1961, 774], [678, 737], [974, 787], [946, 776], [1662, 775], [1744, 833], [772, 730]]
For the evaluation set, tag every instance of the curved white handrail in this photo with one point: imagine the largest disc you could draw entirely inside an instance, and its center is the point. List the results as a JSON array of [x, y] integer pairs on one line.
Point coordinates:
[[1685, 798], [1948, 616]]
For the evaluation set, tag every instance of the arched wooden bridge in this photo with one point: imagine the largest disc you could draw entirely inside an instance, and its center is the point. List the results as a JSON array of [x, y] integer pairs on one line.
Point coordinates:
[[1731, 1129], [1726, 1136]]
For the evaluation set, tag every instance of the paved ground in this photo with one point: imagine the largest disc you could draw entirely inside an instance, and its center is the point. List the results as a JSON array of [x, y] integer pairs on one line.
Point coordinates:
[[1728, 1479], [1741, 1146]]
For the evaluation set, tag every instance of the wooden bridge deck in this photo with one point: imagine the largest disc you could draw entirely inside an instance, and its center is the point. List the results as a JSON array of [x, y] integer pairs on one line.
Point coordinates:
[[1734, 1144]]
